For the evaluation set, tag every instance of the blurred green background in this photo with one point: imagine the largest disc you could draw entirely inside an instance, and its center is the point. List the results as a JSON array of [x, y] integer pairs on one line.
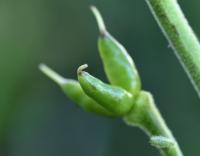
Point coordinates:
[[36, 119]]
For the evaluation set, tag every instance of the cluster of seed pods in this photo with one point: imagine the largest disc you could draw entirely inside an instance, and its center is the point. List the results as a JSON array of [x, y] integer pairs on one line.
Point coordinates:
[[123, 97], [93, 95]]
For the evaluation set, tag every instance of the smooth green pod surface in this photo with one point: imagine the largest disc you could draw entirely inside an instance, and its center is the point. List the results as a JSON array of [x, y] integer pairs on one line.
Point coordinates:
[[74, 91], [114, 99], [119, 66]]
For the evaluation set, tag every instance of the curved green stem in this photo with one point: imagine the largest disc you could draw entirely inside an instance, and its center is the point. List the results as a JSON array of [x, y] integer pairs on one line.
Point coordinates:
[[180, 35], [146, 115]]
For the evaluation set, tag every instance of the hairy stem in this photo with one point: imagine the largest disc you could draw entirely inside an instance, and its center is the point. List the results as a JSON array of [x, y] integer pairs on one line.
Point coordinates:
[[180, 35], [146, 115]]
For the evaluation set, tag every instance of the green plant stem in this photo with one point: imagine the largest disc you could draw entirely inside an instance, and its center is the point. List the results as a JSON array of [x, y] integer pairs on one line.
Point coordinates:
[[180, 35], [146, 115]]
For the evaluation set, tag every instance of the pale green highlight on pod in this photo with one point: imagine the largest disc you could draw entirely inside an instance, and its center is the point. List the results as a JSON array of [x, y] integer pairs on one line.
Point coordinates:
[[114, 99]]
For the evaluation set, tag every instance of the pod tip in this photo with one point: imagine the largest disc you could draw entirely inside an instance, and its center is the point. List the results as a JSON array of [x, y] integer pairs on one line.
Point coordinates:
[[99, 19], [52, 74], [81, 68]]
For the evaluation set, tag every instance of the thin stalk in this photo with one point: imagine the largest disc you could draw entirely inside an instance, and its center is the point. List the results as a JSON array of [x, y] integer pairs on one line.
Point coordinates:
[[146, 115], [99, 19], [52, 75], [180, 35]]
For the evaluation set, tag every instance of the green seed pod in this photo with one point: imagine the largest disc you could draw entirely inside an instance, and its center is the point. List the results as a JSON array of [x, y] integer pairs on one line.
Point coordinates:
[[118, 64], [74, 91], [161, 142], [114, 99]]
